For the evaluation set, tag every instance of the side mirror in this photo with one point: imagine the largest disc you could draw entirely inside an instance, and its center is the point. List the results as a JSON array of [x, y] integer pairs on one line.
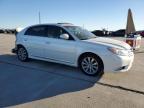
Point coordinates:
[[64, 36]]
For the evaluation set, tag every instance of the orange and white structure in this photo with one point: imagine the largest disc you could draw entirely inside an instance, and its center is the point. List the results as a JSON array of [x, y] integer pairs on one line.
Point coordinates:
[[132, 39], [134, 42]]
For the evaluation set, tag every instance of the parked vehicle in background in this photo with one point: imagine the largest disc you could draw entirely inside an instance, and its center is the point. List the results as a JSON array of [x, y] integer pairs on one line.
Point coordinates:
[[142, 33], [2, 31], [101, 32], [10, 31], [98, 33], [120, 33], [13, 31], [71, 45]]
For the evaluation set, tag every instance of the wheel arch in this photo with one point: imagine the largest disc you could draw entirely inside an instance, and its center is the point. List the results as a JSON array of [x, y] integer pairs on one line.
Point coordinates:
[[20, 45]]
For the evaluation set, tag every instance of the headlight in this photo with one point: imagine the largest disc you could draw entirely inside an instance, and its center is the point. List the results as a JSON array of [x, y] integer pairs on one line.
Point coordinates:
[[118, 51]]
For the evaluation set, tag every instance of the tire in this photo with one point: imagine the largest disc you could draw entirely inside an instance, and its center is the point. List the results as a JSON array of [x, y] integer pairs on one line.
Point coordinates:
[[22, 54], [91, 65]]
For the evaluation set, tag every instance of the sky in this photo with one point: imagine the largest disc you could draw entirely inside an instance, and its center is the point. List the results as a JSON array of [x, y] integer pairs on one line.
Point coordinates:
[[90, 14]]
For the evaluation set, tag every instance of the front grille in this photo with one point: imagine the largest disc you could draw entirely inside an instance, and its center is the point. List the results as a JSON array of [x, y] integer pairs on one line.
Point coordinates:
[[121, 68]]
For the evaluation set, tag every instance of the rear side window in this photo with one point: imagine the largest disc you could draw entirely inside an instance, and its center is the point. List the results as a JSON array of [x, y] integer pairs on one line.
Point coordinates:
[[37, 31]]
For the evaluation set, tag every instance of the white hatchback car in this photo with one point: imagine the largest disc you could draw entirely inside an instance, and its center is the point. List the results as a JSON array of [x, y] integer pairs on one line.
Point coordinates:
[[71, 45]]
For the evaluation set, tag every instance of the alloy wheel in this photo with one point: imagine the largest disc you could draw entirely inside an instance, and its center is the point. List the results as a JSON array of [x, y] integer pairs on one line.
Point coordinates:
[[22, 54], [90, 65]]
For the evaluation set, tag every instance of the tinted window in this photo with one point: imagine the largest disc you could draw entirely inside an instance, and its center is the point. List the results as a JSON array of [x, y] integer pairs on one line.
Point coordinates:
[[80, 33], [55, 32], [37, 31]]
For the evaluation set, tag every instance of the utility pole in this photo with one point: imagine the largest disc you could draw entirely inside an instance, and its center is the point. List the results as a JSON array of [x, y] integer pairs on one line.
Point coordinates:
[[39, 18]]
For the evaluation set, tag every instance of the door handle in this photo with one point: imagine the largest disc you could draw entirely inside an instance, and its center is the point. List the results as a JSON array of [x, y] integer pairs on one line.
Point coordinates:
[[47, 42], [25, 39]]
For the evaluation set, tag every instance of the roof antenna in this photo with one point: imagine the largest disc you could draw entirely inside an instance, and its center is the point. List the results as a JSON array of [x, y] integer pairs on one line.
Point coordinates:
[[39, 17]]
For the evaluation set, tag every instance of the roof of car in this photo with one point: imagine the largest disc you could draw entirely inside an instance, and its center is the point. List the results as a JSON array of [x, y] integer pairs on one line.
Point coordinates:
[[58, 24]]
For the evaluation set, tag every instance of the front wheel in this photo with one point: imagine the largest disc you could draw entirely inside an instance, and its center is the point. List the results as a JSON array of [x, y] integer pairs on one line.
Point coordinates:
[[91, 65], [22, 54]]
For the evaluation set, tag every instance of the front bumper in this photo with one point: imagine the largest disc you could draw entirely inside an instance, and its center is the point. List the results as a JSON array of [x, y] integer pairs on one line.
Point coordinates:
[[14, 50], [118, 63]]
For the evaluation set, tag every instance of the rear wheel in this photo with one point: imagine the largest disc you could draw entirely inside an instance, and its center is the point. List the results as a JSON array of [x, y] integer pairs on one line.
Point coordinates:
[[91, 65], [22, 54]]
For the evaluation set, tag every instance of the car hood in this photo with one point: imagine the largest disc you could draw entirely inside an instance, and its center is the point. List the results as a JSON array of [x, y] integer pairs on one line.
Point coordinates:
[[109, 42]]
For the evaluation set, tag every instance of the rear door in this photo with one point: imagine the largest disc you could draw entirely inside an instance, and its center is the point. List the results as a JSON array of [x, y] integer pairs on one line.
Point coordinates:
[[34, 40]]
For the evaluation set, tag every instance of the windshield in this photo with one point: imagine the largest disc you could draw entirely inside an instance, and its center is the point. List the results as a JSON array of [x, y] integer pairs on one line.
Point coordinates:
[[80, 33]]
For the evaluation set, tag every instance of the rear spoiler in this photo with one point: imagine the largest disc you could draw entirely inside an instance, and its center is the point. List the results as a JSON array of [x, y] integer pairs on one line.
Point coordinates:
[[17, 30]]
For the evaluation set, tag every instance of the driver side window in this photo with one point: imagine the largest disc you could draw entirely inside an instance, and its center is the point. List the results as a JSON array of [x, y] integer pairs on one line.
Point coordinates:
[[55, 32]]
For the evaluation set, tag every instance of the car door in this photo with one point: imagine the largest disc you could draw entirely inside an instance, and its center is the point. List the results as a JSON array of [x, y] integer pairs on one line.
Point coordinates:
[[59, 49], [34, 40]]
